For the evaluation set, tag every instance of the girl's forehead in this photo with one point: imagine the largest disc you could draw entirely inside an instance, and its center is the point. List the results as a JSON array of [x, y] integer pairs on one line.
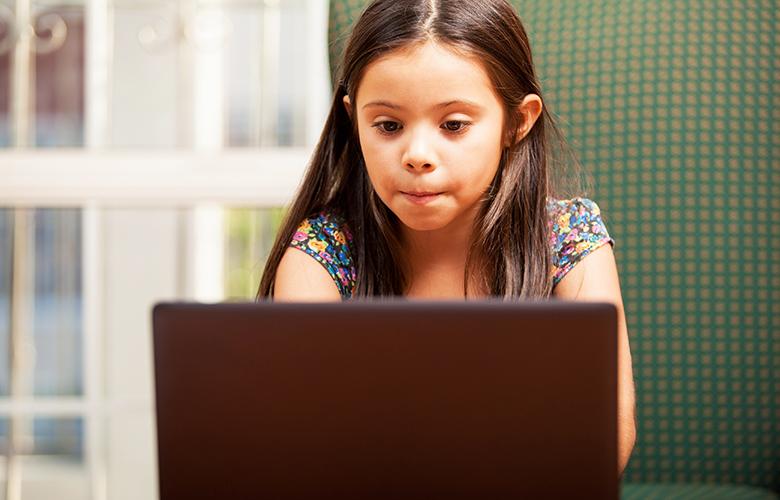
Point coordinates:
[[426, 74]]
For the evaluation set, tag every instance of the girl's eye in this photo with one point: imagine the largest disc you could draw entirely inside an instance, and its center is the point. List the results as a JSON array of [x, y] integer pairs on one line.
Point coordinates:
[[387, 127], [455, 125], [390, 127]]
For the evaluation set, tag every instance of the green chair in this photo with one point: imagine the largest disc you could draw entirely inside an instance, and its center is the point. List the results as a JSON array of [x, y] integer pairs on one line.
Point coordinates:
[[672, 108]]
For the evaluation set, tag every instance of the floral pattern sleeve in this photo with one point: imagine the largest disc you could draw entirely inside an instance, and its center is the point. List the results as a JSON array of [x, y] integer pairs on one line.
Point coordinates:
[[577, 229], [326, 238]]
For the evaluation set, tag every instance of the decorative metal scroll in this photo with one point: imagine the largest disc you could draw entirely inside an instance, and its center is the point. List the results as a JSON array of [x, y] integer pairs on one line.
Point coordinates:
[[48, 31]]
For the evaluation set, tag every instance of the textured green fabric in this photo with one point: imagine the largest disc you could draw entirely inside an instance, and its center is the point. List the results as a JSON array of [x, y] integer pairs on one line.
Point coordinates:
[[673, 107], [660, 491], [342, 15]]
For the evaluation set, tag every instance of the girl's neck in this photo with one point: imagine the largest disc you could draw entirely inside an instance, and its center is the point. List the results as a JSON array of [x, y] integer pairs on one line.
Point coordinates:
[[437, 259]]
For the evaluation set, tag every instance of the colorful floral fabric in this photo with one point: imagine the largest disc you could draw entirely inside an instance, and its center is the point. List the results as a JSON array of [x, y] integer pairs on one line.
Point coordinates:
[[576, 229], [326, 237]]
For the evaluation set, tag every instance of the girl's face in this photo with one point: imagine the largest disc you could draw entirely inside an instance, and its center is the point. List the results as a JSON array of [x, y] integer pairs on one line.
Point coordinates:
[[431, 128]]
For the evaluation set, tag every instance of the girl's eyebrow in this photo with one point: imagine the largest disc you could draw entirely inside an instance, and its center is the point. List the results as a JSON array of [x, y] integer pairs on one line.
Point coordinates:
[[388, 104]]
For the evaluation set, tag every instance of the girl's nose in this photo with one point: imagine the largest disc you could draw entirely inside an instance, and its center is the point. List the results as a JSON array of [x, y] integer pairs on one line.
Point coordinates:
[[419, 153]]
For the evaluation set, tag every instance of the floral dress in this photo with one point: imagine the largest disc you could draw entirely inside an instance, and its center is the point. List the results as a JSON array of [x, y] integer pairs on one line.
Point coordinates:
[[576, 229]]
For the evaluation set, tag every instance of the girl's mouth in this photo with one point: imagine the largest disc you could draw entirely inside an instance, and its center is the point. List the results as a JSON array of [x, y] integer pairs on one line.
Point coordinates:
[[420, 198]]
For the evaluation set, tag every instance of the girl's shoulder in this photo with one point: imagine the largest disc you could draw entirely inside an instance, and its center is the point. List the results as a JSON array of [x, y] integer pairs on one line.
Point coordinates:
[[327, 237], [576, 229]]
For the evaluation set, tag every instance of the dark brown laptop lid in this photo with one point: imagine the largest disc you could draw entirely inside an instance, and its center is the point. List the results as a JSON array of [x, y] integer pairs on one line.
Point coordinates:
[[386, 400]]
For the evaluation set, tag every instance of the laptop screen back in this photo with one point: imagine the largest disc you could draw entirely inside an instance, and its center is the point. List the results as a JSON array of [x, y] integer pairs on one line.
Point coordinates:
[[397, 400]]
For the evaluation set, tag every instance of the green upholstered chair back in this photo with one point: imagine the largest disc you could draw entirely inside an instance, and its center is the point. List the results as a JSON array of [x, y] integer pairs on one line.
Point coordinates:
[[674, 108]]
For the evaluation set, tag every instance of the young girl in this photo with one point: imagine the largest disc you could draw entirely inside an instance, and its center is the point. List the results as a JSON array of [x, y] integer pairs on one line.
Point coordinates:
[[432, 177]]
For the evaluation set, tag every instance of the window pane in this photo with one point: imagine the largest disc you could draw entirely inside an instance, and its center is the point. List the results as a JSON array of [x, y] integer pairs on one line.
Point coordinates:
[[4, 436], [50, 454], [250, 234], [266, 73], [55, 326], [177, 69], [59, 76], [59, 437], [6, 47], [6, 249], [244, 67], [148, 88], [57, 322], [293, 74]]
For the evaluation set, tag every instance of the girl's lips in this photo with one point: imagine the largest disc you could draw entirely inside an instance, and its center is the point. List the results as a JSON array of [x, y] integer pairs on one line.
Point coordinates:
[[421, 198]]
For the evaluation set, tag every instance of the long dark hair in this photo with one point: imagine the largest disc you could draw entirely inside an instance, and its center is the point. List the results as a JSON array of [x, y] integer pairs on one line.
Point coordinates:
[[509, 251]]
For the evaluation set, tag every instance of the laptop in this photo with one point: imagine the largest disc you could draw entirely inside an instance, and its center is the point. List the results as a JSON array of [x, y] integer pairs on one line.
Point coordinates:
[[386, 400]]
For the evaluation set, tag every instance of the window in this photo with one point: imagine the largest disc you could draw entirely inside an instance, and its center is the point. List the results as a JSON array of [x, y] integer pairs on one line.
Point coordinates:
[[147, 150]]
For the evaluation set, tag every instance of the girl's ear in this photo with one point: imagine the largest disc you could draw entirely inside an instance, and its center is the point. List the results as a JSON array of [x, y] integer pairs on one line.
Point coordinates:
[[528, 112], [348, 106]]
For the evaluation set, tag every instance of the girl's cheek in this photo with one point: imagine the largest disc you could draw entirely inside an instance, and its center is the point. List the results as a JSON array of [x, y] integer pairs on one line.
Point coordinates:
[[379, 177], [373, 153]]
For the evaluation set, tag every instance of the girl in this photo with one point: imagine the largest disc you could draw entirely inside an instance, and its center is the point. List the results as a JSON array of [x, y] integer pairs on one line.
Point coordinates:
[[431, 177]]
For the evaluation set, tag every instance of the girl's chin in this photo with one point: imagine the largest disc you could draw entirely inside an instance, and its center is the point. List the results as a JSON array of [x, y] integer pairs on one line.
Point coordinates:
[[419, 222]]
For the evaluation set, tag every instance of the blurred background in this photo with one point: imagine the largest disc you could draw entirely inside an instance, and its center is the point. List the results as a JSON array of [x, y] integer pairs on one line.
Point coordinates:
[[146, 147]]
